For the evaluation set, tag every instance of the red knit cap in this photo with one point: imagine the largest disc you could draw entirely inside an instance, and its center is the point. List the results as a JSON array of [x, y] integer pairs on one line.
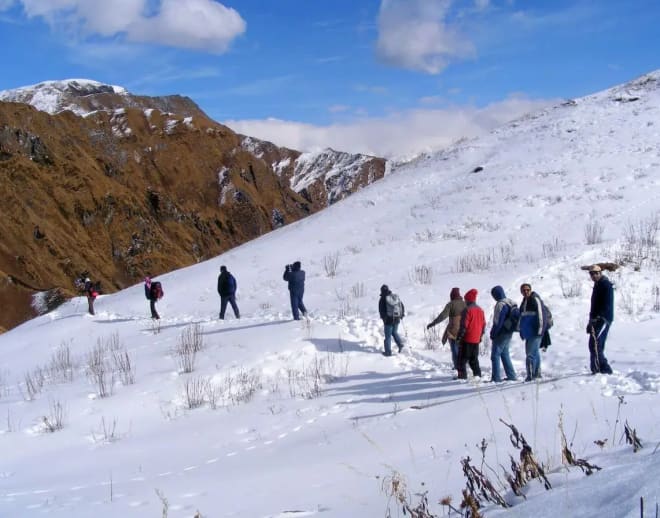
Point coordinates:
[[471, 295]]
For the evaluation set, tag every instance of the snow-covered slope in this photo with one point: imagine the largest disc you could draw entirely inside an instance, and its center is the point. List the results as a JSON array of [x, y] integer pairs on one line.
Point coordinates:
[[329, 422]]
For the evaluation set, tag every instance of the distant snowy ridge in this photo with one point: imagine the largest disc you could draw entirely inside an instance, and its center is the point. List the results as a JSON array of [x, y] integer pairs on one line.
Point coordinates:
[[53, 96], [325, 176]]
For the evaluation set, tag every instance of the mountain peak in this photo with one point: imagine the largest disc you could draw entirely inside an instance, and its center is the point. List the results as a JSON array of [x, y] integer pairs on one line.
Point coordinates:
[[54, 96]]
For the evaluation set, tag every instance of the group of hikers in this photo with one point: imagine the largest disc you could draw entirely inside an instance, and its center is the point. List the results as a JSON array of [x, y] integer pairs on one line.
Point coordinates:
[[466, 326], [466, 321], [227, 286]]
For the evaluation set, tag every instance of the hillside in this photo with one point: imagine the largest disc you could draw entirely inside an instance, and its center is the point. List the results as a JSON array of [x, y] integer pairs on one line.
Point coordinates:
[[280, 418], [124, 185]]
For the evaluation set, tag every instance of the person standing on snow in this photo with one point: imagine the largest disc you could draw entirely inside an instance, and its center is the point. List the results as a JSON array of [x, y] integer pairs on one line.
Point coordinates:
[[91, 293], [227, 291], [453, 310], [532, 327], [470, 333], [296, 279], [601, 315], [500, 335], [153, 291], [391, 312]]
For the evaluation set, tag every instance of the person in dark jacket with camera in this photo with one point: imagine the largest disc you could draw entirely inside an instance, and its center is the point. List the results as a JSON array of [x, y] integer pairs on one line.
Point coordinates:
[[601, 316], [296, 279], [227, 291]]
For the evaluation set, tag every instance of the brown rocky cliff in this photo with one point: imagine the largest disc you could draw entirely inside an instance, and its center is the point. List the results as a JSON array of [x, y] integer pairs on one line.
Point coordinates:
[[124, 193], [323, 177]]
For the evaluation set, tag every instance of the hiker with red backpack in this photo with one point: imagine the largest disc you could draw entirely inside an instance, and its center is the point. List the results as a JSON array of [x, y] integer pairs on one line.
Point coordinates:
[[91, 291], [153, 291], [391, 311]]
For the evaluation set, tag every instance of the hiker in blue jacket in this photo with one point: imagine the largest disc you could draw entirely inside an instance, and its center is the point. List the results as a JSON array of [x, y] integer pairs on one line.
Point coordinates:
[[504, 324], [296, 279], [227, 291], [601, 316], [532, 326]]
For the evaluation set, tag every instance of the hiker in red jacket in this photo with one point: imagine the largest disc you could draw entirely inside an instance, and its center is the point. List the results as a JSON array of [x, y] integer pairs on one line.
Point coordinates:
[[473, 325]]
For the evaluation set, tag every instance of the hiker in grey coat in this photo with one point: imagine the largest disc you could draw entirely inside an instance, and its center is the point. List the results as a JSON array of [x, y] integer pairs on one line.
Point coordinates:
[[453, 310]]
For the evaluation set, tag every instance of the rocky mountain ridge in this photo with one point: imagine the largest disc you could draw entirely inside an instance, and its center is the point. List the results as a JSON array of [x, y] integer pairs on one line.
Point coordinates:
[[97, 179]]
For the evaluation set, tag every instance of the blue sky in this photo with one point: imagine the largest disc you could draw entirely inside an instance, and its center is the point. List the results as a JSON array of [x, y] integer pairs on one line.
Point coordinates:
[[381, 76]]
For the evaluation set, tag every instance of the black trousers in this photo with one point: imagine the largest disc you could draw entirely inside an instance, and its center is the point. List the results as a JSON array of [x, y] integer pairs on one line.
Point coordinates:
[[152, 306], [468, 354]]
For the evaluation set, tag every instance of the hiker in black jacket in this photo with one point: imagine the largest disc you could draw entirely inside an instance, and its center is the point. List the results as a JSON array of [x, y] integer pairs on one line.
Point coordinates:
[[227, 291], [601, 316]]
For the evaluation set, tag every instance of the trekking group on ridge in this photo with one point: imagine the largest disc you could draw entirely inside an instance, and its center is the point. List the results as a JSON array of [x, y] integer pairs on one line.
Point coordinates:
[[532, 320], [466, 321]]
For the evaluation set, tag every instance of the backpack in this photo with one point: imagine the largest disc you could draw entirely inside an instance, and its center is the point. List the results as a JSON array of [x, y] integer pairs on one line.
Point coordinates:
[[156, 290], [547, 316], [510, 323], [394, 306]]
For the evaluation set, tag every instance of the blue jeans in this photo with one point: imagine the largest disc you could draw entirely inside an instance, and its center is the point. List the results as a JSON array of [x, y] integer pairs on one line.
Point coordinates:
[[297, 304], [453, 346], [598, 362], [223, 305], [500, 352], [392, 331], [533, 357]]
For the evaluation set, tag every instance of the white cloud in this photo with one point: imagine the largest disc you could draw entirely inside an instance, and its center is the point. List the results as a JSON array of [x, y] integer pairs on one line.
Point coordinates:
[[196, 24], [413, 34], [398, 135]]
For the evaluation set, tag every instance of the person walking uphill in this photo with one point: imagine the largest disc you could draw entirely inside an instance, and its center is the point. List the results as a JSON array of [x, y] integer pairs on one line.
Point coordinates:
[[505, 321], [227, 291], [296, 279], [153, 291], [532, 327], [453, 310], [473, 325], [91, 292], [601, 315], [391, 311]]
